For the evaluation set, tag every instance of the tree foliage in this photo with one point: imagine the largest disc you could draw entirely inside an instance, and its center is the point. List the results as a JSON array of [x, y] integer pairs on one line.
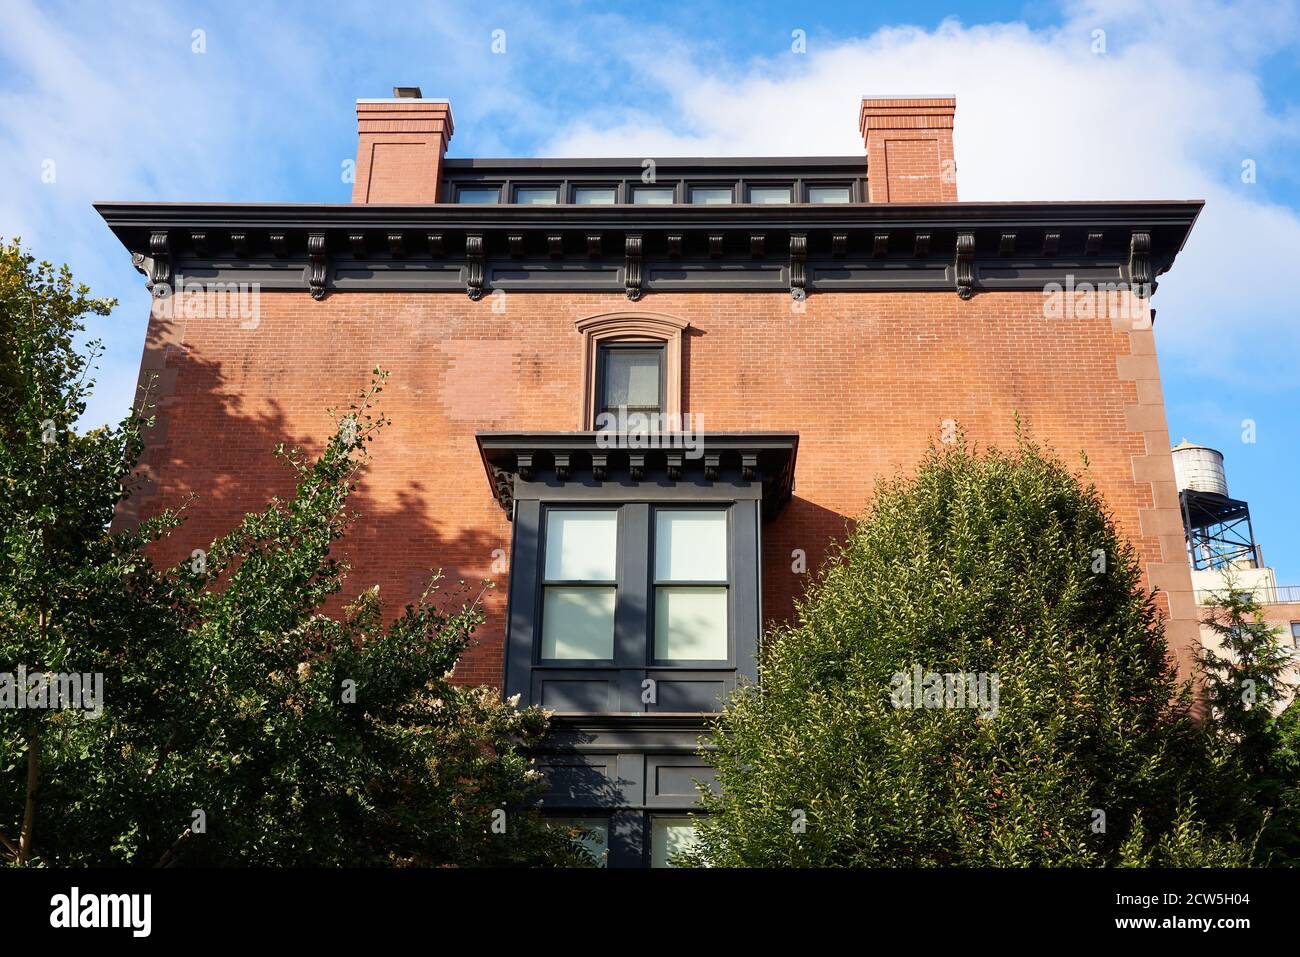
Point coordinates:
[[1254, 717], [241, 723], [998, 566]]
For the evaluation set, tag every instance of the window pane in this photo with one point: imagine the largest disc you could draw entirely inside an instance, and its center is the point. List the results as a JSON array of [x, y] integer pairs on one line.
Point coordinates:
[[828, 194], [632, 378], [712, 195], [769, 194], [670, 836], [596, 839], [581, 545], [537, 196], [690, 624], [594, 195], [657, 196], [578, 622], [690, 546], [478, 196]]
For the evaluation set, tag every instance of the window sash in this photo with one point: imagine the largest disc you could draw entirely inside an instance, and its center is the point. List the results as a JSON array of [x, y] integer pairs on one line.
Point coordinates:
[[579, 623], [598, 847], [669, 834], [686, 583], [761, 195], [830, 193], [537, 195], [653, 196], [612, 349], [566, 628], [478, 195], [587, 195], [712, 195]]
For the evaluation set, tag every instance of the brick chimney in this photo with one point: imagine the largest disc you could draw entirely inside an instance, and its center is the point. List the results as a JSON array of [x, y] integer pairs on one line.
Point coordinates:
[[909, 148], [400, 146]]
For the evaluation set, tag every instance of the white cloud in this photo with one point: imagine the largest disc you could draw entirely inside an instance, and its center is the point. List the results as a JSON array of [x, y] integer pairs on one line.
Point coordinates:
[[1169, 111]]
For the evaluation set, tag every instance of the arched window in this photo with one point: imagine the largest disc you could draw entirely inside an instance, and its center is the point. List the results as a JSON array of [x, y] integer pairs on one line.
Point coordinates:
[[632, 361]]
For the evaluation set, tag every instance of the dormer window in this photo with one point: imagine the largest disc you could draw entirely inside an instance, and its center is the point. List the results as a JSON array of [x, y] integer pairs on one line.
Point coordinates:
[[828, 194], [762, 195], [478, 195], [537, 195], [711, 195], [652, 195], [595, 195]]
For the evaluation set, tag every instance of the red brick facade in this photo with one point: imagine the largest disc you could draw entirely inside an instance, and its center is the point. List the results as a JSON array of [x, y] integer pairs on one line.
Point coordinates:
[[866, 379]]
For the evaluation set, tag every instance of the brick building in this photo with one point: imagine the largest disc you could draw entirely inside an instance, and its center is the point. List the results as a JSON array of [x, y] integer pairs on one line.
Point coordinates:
[[793, 329]]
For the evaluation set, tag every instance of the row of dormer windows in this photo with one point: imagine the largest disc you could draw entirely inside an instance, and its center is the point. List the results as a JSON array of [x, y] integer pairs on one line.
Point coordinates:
[[651, 195]]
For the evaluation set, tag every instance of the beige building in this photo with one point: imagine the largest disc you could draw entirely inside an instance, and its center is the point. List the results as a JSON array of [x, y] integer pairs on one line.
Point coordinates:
[[1223, 552]]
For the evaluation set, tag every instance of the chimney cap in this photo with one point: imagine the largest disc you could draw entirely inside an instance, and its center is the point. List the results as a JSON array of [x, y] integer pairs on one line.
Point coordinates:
[[909, 96], [407, 93]]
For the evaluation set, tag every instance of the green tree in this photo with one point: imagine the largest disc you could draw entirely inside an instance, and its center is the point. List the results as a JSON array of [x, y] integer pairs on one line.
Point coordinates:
[[241, 723], [1006, 568], [1248, 693]]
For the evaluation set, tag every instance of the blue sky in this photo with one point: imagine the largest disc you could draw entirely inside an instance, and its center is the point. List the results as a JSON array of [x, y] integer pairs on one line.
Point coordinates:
[[1112, 99]]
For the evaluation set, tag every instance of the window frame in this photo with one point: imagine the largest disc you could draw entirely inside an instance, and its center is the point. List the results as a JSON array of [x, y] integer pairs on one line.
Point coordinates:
[[810, 185], [605, 349], [644, 328], [555, 188], [654, 818], [627, 589], [543, 583], [789, 188], [729, 187], [673, 189], [616, 187], [652, 592], [462, 188], [591, 816]]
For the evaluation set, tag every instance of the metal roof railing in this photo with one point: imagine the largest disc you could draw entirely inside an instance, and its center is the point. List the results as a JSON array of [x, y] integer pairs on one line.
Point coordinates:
[[1265, 595]]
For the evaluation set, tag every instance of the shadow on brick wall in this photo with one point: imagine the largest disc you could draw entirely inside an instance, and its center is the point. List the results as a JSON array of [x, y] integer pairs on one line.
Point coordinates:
[[209, 449], [795, 545]]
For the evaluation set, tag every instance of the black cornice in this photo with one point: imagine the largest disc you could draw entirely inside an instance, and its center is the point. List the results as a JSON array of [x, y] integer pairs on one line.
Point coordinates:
[[641, 250], [126, 218], [515, 460]]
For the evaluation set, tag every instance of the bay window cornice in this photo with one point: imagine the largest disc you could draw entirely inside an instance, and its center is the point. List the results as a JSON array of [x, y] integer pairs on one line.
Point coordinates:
[[653, 467]]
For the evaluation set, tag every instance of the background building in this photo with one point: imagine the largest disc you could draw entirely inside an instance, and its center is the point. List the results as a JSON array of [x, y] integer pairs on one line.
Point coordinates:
[[820, 321], [1222, 550]]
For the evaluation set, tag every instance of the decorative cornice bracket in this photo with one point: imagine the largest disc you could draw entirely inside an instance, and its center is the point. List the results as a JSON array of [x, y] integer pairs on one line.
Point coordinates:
[[798, 265], [1139, 265], [157, 266], [632, 265], [964, 266], [318, 265], [474, 266]]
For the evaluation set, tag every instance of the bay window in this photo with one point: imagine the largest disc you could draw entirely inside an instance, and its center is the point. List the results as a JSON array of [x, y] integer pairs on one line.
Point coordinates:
[[633, 612]]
